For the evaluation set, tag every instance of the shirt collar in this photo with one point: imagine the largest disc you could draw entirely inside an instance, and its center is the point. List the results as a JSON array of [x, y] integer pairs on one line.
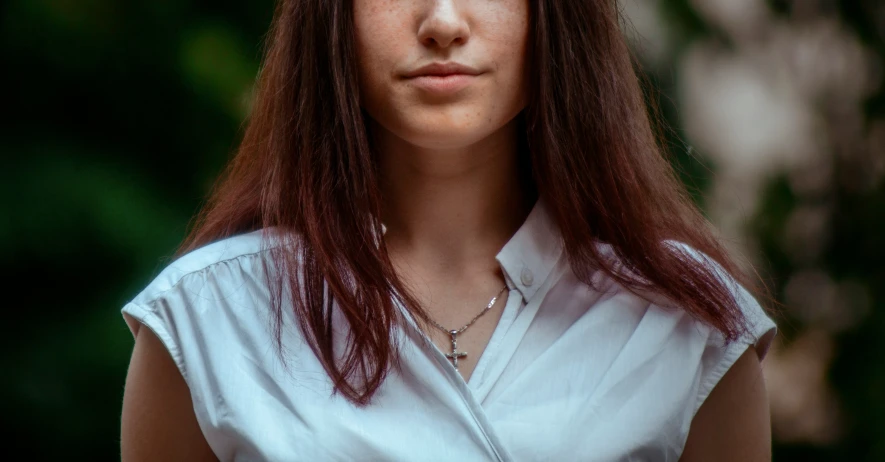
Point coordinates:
[[530, 255]]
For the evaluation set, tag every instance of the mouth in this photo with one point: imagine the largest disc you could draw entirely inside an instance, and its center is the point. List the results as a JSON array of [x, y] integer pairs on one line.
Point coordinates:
[[442, 78], [442, 70]]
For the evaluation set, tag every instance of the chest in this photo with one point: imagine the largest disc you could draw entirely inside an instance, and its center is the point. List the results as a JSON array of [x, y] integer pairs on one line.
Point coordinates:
[[566, 387], [464, 350]]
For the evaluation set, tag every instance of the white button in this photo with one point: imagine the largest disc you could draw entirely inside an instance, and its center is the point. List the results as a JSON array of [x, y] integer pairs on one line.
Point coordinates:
[[526, 277]]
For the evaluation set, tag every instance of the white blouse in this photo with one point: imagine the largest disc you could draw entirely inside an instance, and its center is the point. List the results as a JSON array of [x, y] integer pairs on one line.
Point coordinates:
[[570, 373]]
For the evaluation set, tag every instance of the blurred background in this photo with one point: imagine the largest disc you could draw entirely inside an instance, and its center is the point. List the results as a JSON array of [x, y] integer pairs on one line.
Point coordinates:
[[120, 115]]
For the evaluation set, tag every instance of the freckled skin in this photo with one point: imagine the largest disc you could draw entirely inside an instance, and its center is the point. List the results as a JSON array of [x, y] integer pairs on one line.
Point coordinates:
[[396, 36]]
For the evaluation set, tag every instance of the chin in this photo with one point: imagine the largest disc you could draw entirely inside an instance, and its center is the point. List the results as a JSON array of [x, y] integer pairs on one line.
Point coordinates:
[[449, 128], [445, 136], [443, 127]]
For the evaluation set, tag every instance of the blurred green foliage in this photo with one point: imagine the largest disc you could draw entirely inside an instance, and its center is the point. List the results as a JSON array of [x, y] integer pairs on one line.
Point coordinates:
[[120, 114]]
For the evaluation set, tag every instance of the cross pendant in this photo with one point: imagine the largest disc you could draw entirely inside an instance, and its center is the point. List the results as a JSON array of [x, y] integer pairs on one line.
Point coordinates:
[[455, 354]]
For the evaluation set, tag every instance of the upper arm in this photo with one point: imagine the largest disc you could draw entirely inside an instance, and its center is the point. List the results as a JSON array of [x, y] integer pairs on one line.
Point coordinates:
[[158, 421], [733, 423]]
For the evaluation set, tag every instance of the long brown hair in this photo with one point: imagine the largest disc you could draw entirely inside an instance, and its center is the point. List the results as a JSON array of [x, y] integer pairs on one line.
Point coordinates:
[[306, 168]]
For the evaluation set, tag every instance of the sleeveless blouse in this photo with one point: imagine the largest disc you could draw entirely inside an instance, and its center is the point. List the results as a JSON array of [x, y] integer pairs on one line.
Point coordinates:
[[571, 372]]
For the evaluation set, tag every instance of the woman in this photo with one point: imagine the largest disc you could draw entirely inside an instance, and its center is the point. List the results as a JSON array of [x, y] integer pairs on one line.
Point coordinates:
[[448, 235]]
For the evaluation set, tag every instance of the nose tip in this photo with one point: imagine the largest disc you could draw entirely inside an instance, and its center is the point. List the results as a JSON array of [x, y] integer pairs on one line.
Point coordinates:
[[444, 26]]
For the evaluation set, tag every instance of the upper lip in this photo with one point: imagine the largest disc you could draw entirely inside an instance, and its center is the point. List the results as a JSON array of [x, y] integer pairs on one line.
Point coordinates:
[[442, 69]]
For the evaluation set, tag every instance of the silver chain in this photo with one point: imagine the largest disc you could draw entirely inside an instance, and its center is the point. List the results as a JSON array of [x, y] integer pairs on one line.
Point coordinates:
[[487, 308]]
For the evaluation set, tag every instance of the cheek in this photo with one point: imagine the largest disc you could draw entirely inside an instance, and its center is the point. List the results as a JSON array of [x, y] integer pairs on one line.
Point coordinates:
[[379, 31], [507, 40]]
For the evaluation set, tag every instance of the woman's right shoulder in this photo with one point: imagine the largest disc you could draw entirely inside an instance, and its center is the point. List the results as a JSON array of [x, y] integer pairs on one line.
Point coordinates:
[[196, 265], [213, 313], [209, 296], [195, 309]]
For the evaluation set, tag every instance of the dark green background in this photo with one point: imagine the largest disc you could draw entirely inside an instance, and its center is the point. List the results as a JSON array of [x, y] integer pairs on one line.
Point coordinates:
[[118, 117]]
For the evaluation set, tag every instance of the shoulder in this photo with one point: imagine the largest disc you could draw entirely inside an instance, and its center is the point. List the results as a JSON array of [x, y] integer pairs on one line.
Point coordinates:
[[206, 297], [670, 331], [734, 362], [208, 302], [209, 310], [668, 361], [758, 323], [760, 328], [207, 260]]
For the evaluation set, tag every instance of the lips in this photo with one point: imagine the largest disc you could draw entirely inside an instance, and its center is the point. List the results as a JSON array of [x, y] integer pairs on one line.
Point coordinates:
[[442, 70], [442, 78]]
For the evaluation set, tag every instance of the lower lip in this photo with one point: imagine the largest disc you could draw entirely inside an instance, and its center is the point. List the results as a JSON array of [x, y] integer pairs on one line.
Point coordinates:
[[443, 84]]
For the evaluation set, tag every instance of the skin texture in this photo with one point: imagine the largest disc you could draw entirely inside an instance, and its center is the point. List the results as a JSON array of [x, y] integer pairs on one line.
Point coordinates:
[[452, 199], [158, 418], [733, 424]]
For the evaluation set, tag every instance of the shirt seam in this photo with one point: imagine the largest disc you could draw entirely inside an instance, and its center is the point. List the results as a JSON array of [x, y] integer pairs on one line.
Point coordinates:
[[156, 296]]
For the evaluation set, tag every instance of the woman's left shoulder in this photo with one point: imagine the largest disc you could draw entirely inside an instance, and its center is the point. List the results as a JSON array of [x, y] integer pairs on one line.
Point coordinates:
[[719, 354]]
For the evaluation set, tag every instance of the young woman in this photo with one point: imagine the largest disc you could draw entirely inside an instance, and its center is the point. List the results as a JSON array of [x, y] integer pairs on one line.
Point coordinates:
[[448, 234]]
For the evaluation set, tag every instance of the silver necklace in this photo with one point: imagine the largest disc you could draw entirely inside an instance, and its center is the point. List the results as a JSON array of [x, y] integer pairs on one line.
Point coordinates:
[[455, 354]]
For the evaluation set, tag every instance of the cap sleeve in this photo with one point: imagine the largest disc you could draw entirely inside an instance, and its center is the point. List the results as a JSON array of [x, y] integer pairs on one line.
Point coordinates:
[[189, 312], [161, 324], [718, 355]]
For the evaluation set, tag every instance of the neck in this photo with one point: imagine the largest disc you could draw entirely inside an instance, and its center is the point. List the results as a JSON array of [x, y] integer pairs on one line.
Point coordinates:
[[452, 208]]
